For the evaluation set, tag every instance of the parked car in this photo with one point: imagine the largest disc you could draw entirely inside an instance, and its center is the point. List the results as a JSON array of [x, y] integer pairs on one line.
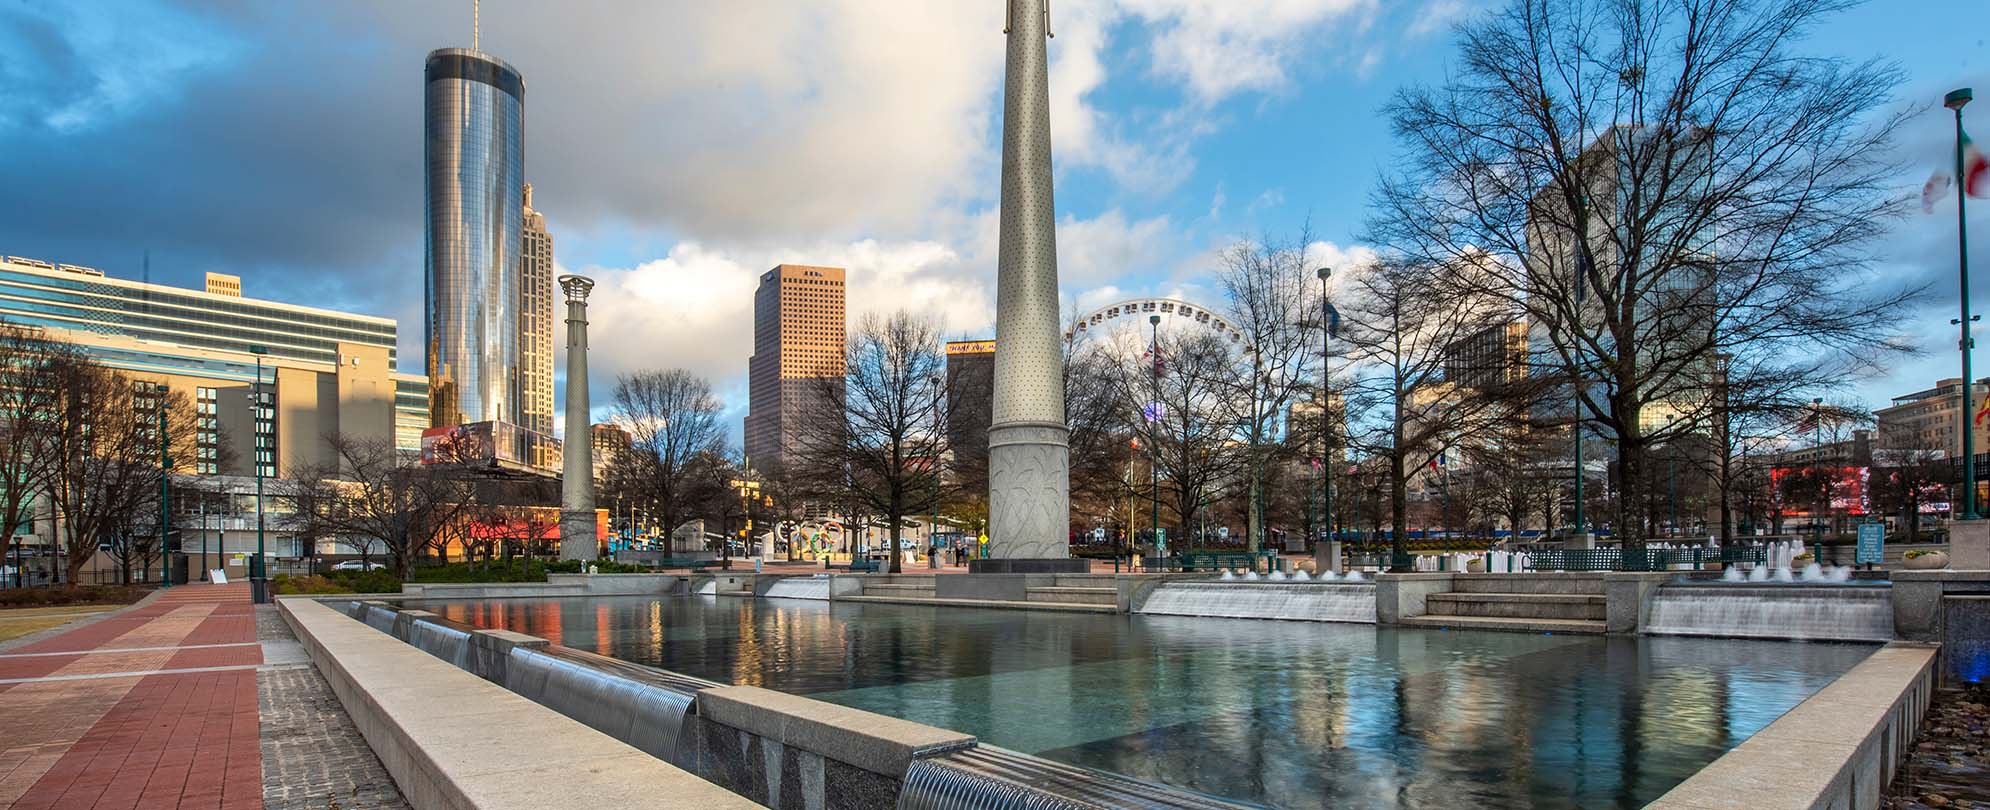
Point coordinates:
[[356, 565]]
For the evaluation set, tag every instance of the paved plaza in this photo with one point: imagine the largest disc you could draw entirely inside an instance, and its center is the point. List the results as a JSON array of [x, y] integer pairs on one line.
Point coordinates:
[[176, 702]]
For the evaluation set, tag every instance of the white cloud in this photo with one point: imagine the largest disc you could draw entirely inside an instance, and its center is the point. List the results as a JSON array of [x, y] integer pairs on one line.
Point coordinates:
[[1221, 47]]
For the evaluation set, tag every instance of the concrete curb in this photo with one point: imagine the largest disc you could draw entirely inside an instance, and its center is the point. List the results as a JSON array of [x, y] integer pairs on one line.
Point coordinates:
[[1837, 749], [453, 740]]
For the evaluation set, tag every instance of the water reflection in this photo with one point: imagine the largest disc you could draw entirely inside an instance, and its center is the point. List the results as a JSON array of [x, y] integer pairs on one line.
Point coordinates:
[[1295, 715]]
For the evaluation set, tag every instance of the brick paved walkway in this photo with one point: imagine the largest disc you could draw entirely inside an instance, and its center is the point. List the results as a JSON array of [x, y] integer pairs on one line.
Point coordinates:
[[155, 707]]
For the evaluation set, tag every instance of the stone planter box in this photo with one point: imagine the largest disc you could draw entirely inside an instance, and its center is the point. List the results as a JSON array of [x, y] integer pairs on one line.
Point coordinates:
[[1926, 562]]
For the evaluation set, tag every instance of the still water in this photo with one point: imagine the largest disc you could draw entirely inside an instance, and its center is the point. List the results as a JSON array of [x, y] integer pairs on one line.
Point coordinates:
[[1289, 714]]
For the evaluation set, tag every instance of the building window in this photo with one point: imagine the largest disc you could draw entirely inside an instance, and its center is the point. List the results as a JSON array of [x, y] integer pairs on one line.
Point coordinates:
[[266, 448], [207, 431]]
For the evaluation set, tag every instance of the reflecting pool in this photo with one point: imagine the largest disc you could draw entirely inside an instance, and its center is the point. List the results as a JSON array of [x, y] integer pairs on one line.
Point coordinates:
[[1290, 714]]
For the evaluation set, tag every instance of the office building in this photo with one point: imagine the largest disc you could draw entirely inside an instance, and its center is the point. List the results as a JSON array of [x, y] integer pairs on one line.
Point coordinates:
[[474, 149], [1489, 358], [535, 321], [610, 442], [970, 407], [1930, 420], [323, 370], [798, 339]]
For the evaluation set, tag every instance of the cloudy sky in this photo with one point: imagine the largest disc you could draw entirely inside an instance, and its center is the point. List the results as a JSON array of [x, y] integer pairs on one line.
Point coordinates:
[[680, 148]]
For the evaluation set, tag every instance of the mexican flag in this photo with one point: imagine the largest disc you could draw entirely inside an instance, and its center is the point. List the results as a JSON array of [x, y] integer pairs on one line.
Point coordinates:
[[1975, 170]]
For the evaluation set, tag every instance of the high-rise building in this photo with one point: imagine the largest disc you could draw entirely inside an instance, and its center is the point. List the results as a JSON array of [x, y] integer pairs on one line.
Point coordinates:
[[323, 371], [535, 320], [797, 340], [1488, 358], [971, 391], [474, 150]]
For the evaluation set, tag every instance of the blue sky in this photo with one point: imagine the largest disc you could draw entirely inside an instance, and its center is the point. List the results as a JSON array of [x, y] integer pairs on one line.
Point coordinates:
[[680, 148]]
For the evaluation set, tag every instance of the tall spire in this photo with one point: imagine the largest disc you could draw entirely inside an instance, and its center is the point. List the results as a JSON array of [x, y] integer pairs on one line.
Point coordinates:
[[1029, 492], [475, 24]]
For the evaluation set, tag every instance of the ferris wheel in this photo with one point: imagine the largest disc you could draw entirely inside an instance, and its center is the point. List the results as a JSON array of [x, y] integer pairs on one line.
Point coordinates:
[[1138, 310]]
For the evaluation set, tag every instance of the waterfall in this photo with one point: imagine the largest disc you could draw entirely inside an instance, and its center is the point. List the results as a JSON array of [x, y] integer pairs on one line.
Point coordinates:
[[989, 778], [1842, 613], [448, 643], [815, 587], [1316, 601], [710, 588], [647, 716]]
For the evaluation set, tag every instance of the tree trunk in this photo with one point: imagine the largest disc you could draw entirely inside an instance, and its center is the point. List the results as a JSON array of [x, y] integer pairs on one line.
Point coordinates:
[[1399, 514], [1254, 522]]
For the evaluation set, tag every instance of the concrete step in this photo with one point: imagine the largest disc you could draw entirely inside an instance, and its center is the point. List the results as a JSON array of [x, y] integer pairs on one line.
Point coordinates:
[[1519, 605], [1590, 582], [1504, 624], [898, 589], [1073, 607], [1082, 581], [1086, 595]]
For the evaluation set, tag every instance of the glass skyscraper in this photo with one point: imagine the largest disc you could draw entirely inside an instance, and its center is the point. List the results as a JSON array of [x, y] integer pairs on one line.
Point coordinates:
[[474, 151]]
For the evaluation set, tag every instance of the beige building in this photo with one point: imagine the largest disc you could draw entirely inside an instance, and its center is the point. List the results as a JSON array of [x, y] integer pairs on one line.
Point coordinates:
[[535, 324], [798, 335], [1931, 420], [323, 370]]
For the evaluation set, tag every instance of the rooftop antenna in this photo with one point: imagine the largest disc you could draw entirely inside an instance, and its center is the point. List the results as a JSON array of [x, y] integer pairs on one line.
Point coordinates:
[[475, 9]]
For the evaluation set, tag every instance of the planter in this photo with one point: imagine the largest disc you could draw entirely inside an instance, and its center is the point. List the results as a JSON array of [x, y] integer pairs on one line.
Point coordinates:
[[1926, 562], [1475, 566]]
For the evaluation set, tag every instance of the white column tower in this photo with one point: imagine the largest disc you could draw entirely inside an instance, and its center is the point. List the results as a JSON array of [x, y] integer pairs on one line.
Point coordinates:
[[577, 537], [1029, 482]]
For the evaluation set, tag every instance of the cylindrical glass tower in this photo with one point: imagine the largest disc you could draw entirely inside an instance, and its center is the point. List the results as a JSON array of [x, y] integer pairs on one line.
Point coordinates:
[[474, 147]]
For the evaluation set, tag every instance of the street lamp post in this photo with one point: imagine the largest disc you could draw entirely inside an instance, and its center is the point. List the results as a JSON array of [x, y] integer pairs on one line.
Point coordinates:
[[1817, 451], [258, 576], [1154, 451], [1955, 101], [1327, 319]]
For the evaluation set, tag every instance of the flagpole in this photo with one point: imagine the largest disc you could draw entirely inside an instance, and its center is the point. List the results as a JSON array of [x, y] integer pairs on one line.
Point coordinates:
[[1955, 101]]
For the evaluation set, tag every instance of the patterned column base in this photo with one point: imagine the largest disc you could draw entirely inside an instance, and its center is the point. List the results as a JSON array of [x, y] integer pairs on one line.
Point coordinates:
[[1029, 491]]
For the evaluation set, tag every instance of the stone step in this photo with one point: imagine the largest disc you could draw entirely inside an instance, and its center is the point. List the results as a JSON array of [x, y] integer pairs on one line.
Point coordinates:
[[1590, 582], [1074, 607], [1519, 605], [898, 589], [1505, 624], [1075, 594], [1077, 581]]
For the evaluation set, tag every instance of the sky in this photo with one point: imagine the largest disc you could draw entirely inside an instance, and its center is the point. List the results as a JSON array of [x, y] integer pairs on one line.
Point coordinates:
[[678, 149]]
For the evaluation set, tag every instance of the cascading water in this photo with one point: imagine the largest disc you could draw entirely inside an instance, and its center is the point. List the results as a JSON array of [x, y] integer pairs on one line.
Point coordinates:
[[989, 778], [448, 643], [1312, 601], [603, 696], [815, 587], [1810, 613], [711, 587]]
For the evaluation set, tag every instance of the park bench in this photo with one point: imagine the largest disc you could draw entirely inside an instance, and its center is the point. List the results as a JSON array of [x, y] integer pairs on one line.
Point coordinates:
[[859, 567]]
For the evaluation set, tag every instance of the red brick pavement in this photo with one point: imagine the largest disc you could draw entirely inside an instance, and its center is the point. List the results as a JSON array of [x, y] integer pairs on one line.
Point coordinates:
[[135, 738]]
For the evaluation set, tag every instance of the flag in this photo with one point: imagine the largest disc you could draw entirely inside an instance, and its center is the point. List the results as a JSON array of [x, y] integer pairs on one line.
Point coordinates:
[[1983, 412], [1975, 180], [1333, 321], [1934, 190]]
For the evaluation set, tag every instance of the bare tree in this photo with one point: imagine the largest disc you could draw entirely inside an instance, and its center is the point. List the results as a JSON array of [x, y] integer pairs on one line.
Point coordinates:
[[104, 472], [885, 448], [673, 420], [30, 368], [369, 490], [1403, 318], [1177, 400], [1273, 301], [1667, 184]]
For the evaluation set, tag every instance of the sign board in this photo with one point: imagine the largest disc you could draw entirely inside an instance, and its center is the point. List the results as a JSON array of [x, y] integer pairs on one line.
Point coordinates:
[[1161, 537], [1223, 532], [1872, 544]]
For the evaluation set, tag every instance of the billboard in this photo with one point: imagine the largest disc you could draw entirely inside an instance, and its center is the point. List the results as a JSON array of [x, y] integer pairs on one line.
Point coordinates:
[[1846, 487]]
